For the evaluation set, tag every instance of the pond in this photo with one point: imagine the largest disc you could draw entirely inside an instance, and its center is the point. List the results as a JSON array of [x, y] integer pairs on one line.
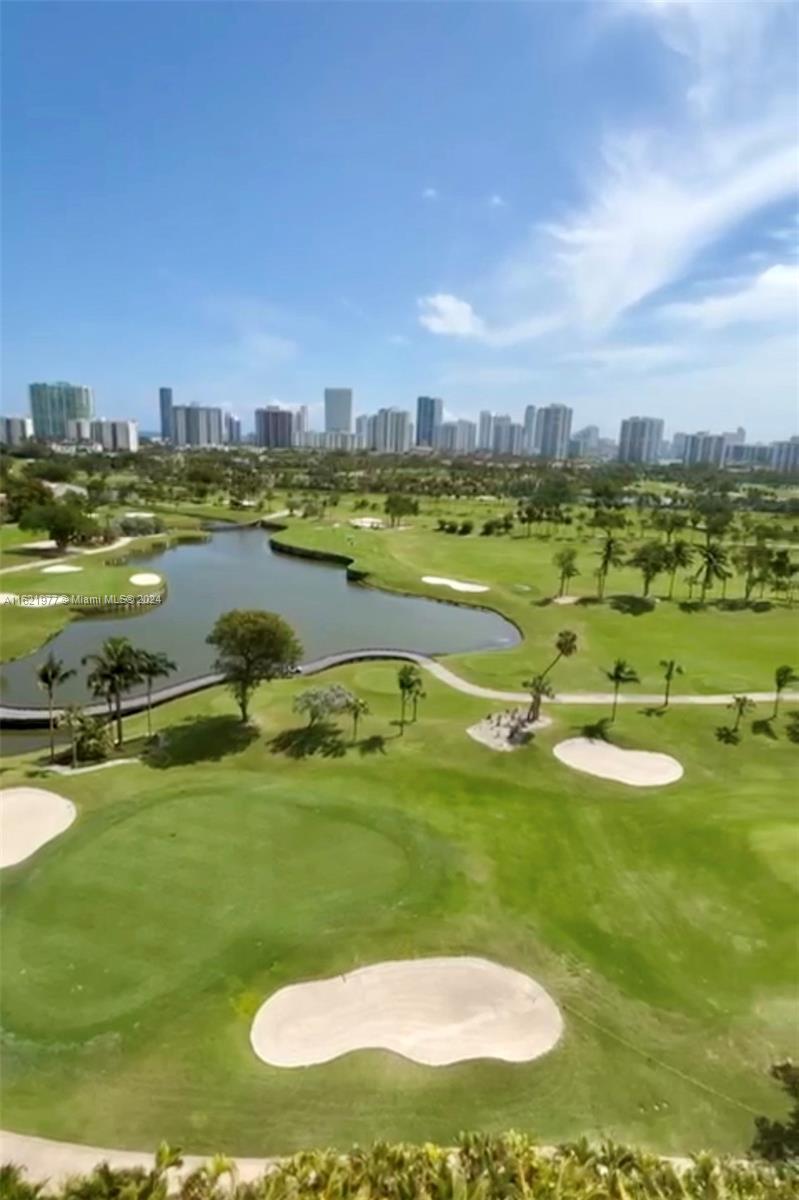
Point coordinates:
[[238, 569]]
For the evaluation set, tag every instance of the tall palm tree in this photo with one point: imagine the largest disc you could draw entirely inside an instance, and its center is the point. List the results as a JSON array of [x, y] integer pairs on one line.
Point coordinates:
[[539, 687], [566, 646], [611, 555], [650, 560], [783, 677], [72, 717], [620, 673], [115, 670], [49, 675], [357, 708], [409, 680], [153, 665], [678, 557], [714, 565], [741, 706], [566, 562], [670, 668]]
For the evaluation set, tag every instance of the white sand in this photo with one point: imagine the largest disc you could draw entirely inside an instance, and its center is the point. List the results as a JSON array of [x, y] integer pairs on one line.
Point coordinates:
[[565, 599], [30, 817], [60, 569], [456, 584], [494, 731], [143, 515], [43, 544], [145, 579], [638, 768], [432, 1010], [367, 523]]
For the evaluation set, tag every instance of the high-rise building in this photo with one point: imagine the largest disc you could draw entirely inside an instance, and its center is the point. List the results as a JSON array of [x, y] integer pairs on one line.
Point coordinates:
[[456, 437], [528, 445], [125, 435], [273, 427], [338, 410], [678, 446], [704, 447], [113, 436], [53, 404], [584, 443], [485, 431], [196, 425], [300, 426], [231, 431], [502, 441], [362, 432], [165, 406], [639, 439], [79, 431], [15, 431], [390, 431], [785, 456], [429, 414], [556, 425]]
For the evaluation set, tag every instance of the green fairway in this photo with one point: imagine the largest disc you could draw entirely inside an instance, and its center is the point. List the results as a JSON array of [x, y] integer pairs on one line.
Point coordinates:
[[139, 944]]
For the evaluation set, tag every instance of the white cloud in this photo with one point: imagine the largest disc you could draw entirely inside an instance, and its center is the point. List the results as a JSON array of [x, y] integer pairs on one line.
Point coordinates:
[[496, 201], [643, 358], [772, 296], [446, 314], [430, 193]]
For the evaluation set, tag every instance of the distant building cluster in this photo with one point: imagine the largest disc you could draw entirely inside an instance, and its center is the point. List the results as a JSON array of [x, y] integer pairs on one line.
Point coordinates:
[[63, 413]]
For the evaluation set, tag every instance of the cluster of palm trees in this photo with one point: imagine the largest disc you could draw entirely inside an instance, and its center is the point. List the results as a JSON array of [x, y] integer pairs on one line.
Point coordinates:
[[116, 669], [758, 564]]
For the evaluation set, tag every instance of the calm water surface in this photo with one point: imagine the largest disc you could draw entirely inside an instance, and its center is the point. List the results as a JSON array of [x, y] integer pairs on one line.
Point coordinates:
[[237, 569]]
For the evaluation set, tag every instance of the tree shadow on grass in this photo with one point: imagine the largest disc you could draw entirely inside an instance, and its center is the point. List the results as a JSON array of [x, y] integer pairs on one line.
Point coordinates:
[[632, 606], [691, 606], [727, 735], [588, 601], [597, 731], [764, 727], [199, 739], [792, 726], [376, 744], [654, 710], [321, 738]]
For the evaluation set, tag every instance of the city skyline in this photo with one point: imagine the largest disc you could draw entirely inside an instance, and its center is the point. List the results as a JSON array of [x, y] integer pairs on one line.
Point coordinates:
[[637, 253]]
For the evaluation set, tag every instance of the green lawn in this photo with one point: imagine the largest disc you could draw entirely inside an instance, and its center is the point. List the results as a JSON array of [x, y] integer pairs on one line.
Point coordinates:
[[137, 946]]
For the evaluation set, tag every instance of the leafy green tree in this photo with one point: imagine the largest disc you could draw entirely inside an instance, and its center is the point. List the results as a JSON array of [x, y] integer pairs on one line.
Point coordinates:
[[741, 706], [153, 665], [775, 1140], [620, 673], [64, 520], [409, 681], [539, 688], [781, 571], [677, 556], [714, 559], [398, 506], [668, 523], [51, 674], [611, 555], [784, 677], [566, 562], [252, 647], [115, 670], [320, 702], [670, 668], [754, 563], [650, 560]]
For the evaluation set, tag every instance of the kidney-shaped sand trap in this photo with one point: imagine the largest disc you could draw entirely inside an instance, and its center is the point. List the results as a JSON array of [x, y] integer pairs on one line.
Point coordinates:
[[432, 1010], [145, 579], [30, 817], [638, 768], [456, 584]]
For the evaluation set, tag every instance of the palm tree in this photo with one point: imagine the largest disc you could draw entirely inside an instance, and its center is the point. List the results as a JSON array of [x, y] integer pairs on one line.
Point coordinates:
[[678, 557], [153, 665], [566, 562], [538, 687], [72, 717], [650, 560], [611, 555], [357, 708], [49, 675], [741, 706], [714, 565], [620, 673], [115, 670], [670, 668], [566, 646], [409, 681], [783, 677]]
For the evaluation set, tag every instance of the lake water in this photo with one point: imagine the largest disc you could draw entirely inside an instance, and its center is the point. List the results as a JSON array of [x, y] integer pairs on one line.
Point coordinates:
[[237, 569]]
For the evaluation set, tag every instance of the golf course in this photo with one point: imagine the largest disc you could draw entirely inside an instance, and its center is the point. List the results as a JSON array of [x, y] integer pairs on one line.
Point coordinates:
[[229, 861]]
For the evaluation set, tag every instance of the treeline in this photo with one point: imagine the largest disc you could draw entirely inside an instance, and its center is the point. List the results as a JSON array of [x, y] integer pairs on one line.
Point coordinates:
[[478, 1167]]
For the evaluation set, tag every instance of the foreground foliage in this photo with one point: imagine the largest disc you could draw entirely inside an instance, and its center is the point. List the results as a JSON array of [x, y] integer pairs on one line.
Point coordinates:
[[479, 1168]]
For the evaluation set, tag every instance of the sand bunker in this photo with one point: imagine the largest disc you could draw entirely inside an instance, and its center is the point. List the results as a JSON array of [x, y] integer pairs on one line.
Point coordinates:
[[367, 523], [432, 1010], [30, 817], [145, 579], [60, 569], [506, 730], [143, 515], [455, 584], [565, 599], [638, 768]]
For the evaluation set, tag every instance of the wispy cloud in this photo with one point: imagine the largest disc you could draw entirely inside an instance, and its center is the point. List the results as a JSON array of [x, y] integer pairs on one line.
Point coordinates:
[[771, 297], [448, 315]]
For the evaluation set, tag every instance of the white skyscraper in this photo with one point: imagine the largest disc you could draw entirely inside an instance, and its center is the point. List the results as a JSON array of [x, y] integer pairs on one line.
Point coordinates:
[[485, 431], [639, 439], [556, 427], [338, 410], [528, 445], [502, 441]]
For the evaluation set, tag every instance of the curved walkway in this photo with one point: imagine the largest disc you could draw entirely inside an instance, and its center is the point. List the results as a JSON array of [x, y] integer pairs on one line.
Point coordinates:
[[77, 553], [12, 716]]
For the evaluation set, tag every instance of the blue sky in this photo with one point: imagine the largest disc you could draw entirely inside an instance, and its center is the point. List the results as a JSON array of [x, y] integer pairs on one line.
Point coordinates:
[[500, 204]]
